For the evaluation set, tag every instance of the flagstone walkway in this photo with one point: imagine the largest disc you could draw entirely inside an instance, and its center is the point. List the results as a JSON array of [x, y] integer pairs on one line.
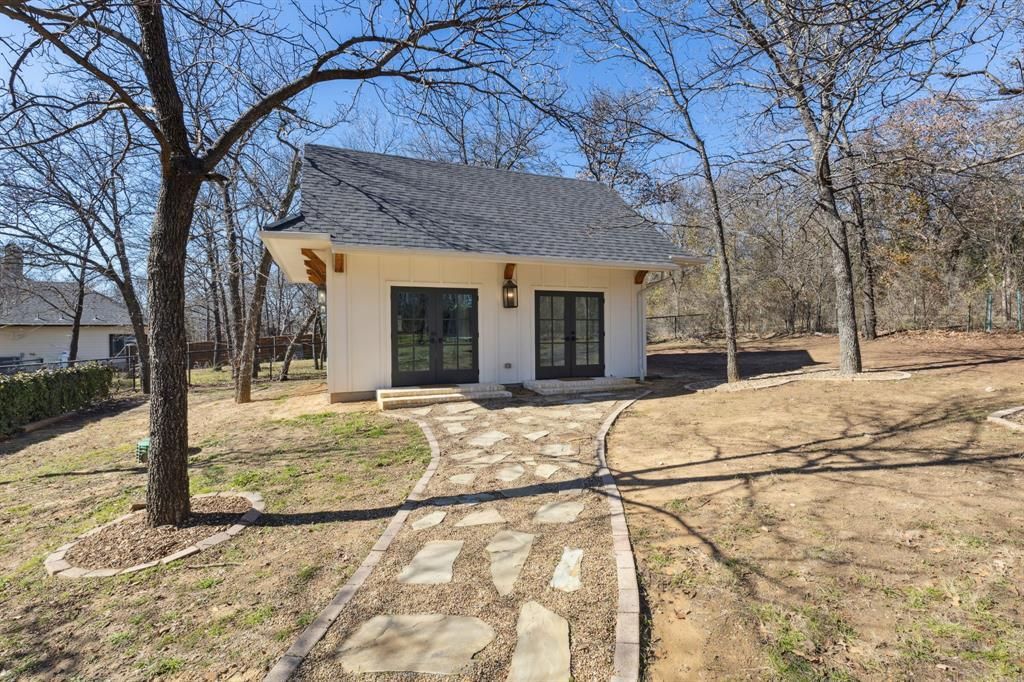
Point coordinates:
[[507, 566]]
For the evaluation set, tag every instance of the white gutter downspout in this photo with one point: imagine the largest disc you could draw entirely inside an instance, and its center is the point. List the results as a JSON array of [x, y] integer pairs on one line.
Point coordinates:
[[641, 313]]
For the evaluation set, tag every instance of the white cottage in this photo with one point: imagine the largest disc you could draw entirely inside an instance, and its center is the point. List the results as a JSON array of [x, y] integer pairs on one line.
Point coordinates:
[[440, 274]]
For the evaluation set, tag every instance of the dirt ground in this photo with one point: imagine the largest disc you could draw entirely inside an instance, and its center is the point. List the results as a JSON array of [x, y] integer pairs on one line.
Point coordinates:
[[331, 476], [830, 530]]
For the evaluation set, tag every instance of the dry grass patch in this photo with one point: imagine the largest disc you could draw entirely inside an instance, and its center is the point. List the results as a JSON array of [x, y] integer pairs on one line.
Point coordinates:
[[331, 478]]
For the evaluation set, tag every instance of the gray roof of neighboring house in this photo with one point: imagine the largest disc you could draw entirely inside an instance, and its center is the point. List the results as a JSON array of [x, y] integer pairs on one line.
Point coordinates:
[[369, 200], [27, 302]]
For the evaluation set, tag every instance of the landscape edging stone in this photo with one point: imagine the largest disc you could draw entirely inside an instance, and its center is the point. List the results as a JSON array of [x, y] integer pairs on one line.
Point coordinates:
[[56, 565]]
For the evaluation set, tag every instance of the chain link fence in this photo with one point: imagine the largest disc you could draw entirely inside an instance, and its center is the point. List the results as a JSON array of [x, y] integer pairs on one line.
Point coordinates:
[[208, 363]]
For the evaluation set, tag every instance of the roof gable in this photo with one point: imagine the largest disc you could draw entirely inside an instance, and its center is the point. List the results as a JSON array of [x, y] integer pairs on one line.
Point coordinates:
[[35, 303], [362, 199]]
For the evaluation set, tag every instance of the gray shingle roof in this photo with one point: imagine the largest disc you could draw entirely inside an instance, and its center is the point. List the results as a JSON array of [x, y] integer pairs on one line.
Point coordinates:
[[35, 303], [363, 199]]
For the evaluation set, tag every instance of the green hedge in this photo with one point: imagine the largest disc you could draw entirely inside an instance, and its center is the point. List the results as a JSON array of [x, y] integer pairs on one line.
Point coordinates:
[[29, 397]]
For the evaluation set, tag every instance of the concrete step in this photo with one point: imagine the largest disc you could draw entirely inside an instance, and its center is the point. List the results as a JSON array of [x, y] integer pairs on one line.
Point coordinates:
[[576, 386], [420, 400], [436, 390]]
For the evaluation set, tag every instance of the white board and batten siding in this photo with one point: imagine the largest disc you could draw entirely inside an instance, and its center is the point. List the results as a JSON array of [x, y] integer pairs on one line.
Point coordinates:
[[359, 314]]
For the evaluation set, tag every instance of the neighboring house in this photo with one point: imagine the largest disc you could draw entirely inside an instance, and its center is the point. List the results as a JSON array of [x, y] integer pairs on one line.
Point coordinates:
[[36, 319], [437, 273]]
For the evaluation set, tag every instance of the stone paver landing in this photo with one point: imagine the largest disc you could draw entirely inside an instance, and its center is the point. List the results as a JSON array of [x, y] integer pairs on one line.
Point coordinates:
[[422, 643]]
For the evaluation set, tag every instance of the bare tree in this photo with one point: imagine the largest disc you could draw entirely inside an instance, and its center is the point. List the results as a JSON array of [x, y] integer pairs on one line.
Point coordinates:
[[477, 130], [613, 134], [196, 106], [251, 332], [853, 183], [653, 37], [827, 64], [296, 340], [74, 198]]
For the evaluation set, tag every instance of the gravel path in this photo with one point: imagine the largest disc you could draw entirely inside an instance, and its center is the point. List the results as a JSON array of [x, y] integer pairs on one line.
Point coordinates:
[[473, 590]]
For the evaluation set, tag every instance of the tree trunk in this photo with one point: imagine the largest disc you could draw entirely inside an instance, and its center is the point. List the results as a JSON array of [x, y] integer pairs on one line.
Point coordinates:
[[846, 310], [213, 263], [243, 382], [839, 245], [234, 278], [167, 496], [732, 370], [76, 323], [867, 266], [138, 321], [126, 286], [290, 351]]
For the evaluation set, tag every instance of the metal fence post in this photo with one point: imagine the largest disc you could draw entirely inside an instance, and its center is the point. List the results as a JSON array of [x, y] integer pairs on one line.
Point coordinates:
[[988, 312]]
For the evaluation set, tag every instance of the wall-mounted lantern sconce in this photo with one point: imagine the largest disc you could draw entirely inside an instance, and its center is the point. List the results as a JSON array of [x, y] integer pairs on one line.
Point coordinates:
[[509, 291], [510, 294], [321, 300]]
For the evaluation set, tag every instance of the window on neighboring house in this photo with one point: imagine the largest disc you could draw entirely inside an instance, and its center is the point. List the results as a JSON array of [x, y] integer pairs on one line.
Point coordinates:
[[118, 342]]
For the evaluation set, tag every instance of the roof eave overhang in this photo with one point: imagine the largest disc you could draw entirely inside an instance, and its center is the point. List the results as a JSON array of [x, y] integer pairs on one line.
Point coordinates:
[[286, 249], [690, 261], [285, 246]]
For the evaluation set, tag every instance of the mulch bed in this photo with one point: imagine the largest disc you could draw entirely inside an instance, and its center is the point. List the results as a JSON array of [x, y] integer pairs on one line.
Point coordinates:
[[132, 542]]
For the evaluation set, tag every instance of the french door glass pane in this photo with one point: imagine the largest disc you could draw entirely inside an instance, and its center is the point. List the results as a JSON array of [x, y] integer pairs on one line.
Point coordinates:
[[457, 334], [588, 354], [551, 330], [413, 339], [588, 330], [558, 355], [546, 333]]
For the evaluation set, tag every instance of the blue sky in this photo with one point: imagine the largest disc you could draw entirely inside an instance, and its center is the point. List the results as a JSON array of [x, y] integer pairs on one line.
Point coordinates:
[[574, 71], [724, 123]]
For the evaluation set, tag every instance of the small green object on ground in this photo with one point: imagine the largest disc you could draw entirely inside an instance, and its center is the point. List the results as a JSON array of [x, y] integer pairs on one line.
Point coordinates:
[[142, 451]]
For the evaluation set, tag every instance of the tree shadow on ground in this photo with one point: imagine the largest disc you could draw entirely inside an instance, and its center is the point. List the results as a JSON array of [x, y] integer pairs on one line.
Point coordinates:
[[68, 424], [711, 364], [743, 475]]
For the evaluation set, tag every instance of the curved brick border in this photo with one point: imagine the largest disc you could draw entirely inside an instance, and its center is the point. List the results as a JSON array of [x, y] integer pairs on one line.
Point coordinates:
[[56, 565], [314, 632], [758, 383], [627, 621], [1000, 418]]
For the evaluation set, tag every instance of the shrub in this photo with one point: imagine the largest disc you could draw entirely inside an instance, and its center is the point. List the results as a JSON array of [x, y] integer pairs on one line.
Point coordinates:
[[25, 398]]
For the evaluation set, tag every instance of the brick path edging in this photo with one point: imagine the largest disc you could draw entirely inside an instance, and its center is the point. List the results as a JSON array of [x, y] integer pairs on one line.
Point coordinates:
[[315, 631], [1000, 417], [765, 381], [56, 565], [627, 621]]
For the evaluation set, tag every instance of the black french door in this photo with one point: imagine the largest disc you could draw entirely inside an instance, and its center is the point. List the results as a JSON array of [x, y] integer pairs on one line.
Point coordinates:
[[569, 334], [434, 336]]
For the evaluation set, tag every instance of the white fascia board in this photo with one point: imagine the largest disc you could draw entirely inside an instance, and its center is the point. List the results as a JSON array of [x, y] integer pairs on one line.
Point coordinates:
[[506, 258], [284, 244], [689, 261]]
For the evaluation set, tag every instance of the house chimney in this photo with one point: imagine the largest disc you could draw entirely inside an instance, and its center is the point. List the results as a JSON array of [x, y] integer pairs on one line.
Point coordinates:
[[12, 268]]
